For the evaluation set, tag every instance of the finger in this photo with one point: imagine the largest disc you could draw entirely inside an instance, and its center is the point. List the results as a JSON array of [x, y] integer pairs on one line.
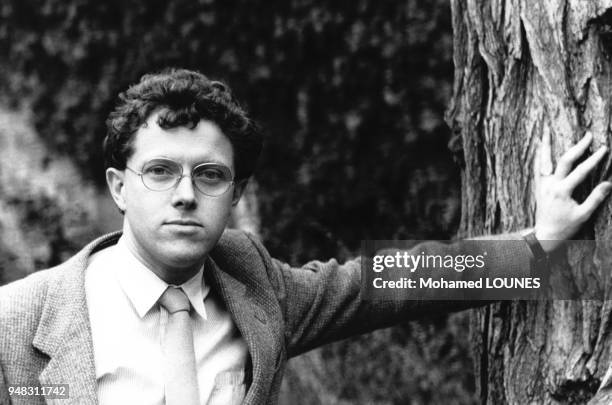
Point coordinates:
[[564, 166], [596, 197], [583, 169], [545, 155]]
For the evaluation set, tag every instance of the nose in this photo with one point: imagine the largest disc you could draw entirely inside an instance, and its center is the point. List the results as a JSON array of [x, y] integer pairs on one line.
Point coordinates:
[[184, 194]]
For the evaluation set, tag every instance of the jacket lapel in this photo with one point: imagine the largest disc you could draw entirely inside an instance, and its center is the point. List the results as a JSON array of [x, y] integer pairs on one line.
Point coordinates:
[[64, 332], [236, 273], [251, 323]]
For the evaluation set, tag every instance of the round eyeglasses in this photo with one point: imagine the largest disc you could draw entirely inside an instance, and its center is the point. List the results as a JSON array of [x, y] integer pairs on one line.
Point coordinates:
[[211, 179]]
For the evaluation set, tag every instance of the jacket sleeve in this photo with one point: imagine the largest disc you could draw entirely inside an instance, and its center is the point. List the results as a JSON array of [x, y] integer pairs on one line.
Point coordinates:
[[323, 301]]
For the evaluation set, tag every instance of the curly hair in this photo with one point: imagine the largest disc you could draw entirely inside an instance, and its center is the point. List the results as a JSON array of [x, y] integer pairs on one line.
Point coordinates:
[[183, 98]]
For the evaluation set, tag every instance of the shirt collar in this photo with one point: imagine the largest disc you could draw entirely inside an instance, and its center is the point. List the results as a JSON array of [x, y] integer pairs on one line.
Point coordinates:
[[143, 288], [197, 290]]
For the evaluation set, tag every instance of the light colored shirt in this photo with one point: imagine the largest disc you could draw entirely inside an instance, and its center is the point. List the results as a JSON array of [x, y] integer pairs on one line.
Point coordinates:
[[128, 324]]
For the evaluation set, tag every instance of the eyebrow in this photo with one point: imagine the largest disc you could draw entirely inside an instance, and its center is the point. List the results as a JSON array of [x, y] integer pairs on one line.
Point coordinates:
[[211, 160]]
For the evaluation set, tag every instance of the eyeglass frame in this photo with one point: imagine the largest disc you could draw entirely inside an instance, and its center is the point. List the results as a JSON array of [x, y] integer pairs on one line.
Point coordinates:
[[178, 179]]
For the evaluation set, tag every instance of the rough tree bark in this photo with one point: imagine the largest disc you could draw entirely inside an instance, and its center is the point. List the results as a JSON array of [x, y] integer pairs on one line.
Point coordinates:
[[524, 68]]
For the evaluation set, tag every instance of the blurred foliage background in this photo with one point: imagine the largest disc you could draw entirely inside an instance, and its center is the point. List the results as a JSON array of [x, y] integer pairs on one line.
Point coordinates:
[[352, 98]]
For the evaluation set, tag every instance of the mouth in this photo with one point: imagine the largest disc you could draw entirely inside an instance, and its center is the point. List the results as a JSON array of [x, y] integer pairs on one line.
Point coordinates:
[[184, 222]]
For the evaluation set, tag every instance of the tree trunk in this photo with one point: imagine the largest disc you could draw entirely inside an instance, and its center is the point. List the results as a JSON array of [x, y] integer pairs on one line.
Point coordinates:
[[524, 68]]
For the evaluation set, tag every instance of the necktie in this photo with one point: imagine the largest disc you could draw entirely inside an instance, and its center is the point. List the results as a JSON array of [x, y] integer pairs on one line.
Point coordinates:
[[181, 385]]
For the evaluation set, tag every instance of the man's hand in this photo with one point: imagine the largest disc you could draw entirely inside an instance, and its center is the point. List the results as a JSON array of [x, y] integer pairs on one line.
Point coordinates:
[[558, 215]]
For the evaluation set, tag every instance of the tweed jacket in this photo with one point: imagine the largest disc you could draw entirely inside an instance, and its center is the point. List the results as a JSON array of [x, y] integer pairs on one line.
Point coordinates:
[[45, 334]]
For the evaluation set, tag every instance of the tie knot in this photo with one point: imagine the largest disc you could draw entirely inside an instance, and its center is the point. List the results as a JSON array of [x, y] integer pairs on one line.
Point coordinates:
[[174, 300]]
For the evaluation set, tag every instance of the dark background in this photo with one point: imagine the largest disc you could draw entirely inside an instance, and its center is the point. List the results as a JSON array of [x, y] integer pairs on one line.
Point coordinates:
[[351, 96]]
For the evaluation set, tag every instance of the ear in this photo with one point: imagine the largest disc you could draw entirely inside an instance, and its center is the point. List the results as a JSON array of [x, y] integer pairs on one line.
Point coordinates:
[[115, 182], [238, 190]]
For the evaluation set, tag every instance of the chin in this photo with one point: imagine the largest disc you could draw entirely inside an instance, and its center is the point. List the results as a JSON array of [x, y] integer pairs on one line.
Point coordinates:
[[184, 261], [186, 254]]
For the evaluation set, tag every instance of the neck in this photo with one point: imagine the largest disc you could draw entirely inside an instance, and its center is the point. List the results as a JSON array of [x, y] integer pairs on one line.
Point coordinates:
[[177, 277], [174, 275]]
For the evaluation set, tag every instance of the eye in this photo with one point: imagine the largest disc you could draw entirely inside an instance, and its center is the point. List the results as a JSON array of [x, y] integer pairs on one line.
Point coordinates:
[[159, 171], [209, 174], [212, 174]]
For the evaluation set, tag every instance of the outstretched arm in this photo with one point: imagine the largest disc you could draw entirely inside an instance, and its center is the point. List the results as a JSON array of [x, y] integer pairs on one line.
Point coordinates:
[[323, 301]]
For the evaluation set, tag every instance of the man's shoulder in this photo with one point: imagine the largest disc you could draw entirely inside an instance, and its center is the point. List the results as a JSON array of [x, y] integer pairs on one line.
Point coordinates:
[[22, 302], [243, 254], [236, 237], [26, 291], [27, 295], [237, 243]]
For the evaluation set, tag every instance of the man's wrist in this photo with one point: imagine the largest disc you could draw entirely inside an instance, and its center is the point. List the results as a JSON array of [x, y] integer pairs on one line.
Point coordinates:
[[548, 243]]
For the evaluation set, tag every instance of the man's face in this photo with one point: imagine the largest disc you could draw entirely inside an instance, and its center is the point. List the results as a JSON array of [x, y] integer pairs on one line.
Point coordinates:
[[172, 231]]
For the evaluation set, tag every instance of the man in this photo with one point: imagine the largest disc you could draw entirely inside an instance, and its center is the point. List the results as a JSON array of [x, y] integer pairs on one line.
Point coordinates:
[[175, 309]]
